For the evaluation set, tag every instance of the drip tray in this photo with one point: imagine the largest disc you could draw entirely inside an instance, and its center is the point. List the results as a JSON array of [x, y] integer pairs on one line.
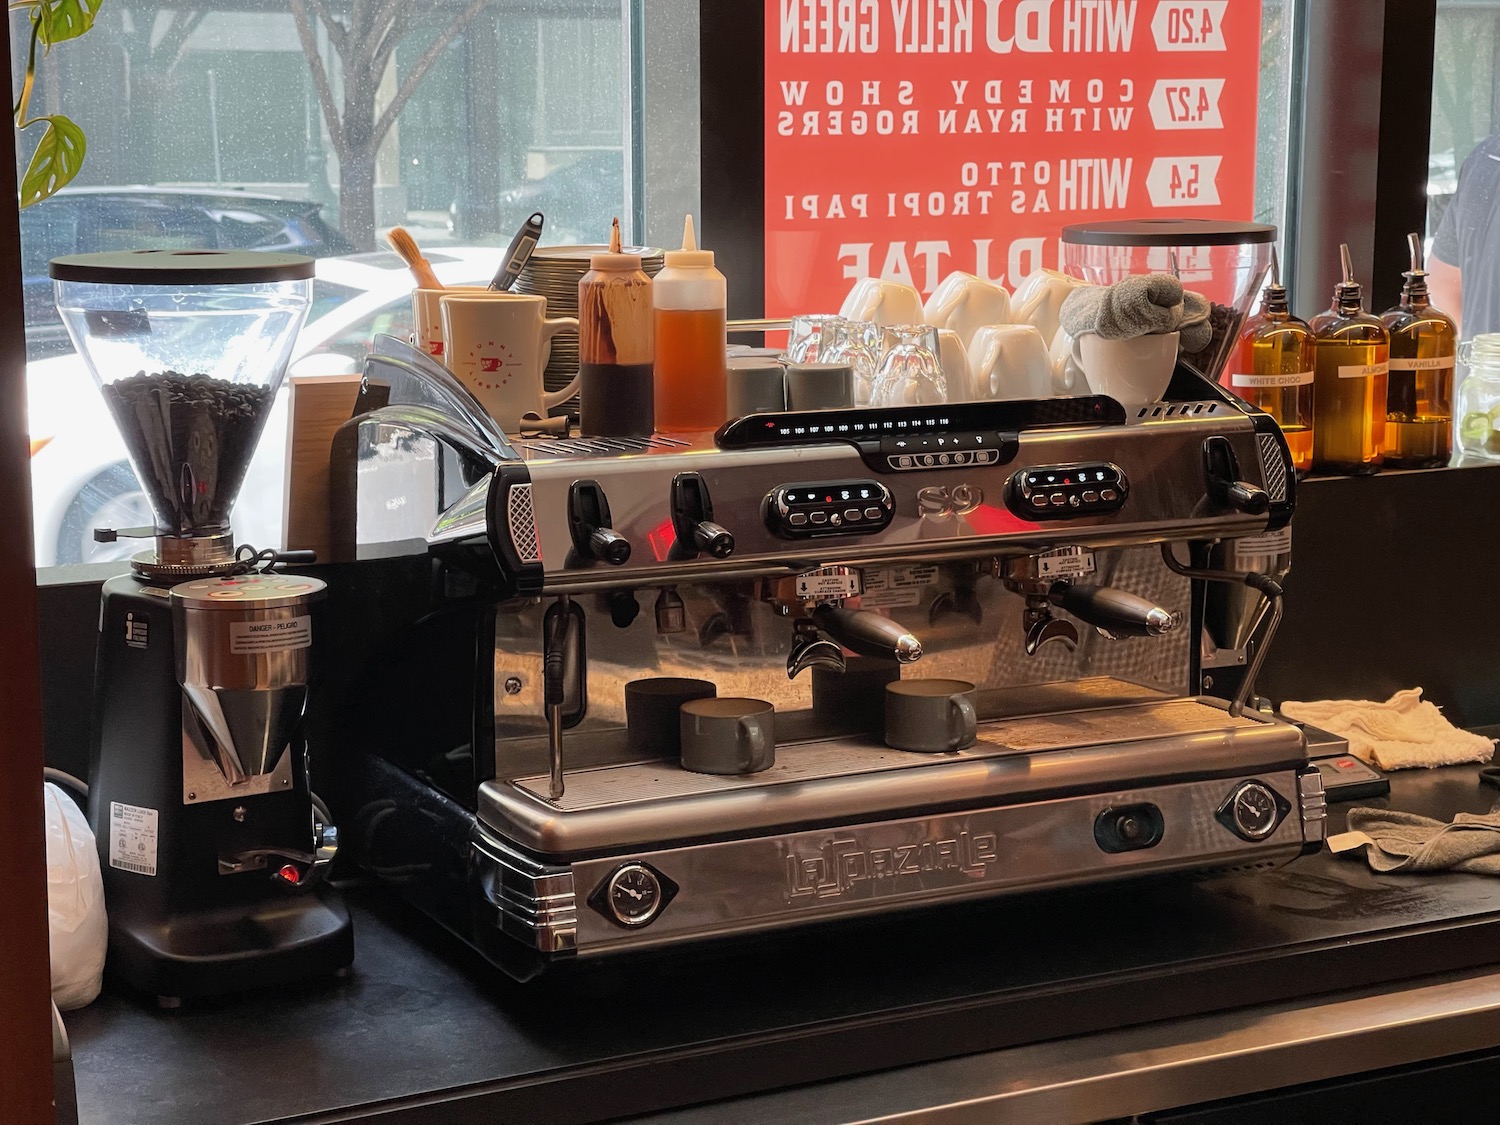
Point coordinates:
[[842, 781]]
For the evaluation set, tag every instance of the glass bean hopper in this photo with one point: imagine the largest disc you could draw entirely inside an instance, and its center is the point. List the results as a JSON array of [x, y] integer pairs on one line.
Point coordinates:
[[189, 348]]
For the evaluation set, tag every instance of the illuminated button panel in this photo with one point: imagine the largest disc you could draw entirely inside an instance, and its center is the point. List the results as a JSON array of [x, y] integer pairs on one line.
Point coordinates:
[[904, 453], [841, 507], [1061, 491]]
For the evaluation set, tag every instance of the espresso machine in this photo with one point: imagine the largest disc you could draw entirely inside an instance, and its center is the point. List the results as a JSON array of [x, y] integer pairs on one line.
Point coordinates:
[[1056, 553], [212, 846]]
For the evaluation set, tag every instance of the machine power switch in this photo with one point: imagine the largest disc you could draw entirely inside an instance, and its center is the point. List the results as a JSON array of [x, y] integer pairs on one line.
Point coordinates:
[[1128, 828]]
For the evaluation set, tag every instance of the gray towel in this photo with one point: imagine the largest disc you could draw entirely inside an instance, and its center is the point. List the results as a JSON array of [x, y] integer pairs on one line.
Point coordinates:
[[1142, 305], [1405, 842]]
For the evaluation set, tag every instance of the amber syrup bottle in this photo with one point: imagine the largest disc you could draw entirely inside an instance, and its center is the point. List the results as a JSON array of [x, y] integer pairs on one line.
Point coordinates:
[[1351, 361], [1272, 368], [1419, 393]]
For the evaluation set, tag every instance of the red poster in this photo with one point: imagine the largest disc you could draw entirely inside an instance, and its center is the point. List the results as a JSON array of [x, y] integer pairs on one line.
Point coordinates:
[[906, 139]]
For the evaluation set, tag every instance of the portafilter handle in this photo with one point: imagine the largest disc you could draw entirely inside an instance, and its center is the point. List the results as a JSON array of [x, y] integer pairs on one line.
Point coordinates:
[[1118, 613], [868, 633]]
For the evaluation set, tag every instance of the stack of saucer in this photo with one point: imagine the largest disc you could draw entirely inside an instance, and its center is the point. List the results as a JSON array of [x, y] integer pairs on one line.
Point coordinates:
[[553, 272]]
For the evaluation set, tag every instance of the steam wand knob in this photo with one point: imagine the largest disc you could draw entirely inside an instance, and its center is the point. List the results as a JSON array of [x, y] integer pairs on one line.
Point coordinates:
[[693, 519]]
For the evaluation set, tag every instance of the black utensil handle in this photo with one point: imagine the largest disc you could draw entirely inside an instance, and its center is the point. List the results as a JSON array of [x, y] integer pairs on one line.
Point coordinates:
[[1116, 611], [518, 253], [868, 633]]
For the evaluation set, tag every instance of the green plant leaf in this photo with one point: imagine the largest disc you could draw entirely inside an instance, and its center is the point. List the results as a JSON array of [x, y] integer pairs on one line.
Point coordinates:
[[65, 19], [57, 159]]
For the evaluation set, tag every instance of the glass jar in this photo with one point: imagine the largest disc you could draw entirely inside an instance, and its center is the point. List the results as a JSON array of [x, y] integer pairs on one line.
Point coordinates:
[[1478, 397]]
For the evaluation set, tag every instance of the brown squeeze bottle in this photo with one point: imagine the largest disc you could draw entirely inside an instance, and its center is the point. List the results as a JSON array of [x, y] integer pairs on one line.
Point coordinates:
[[1272, 368], [1419, 396], [615, 345], [1351, 359]]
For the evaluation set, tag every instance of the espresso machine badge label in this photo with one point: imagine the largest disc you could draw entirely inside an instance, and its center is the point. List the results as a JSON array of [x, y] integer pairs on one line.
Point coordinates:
[[829, 582], [278, 635], [841, 866], [132, 838]]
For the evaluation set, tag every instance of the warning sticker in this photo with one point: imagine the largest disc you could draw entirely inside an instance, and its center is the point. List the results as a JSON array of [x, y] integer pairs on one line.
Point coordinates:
[[1066, 563], [270, 636], [900, 578], [889, 599], [132, 838]]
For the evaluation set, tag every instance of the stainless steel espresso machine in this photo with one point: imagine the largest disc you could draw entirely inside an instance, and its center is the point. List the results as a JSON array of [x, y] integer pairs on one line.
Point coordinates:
[[1056, 553], [210, 841]]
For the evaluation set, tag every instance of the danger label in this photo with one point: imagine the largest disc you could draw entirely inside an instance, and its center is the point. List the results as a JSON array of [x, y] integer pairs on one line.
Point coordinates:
[[270, 636]]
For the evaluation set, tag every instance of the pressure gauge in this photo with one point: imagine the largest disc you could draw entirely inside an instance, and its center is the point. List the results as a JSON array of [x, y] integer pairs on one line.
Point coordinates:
[[1252, 810], [633, 895]]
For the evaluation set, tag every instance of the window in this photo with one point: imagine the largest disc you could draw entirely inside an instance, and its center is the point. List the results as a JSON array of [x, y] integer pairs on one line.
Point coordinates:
[[212, 126]]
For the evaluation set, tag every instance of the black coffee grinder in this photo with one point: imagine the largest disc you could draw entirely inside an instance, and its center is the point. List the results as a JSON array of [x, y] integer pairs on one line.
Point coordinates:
[[212, 845]]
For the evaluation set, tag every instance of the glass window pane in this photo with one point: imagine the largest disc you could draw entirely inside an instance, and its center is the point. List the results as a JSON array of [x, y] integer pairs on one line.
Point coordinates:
[[236, 129]]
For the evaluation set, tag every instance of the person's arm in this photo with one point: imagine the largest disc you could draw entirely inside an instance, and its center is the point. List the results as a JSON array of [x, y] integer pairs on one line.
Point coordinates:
[[1445, 286]]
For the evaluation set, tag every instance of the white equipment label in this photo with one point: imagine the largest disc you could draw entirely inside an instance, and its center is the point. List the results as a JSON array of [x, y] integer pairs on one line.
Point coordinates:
[[828, 584], [132, 838], [1065, 564], [270, 636], [1272, 543]]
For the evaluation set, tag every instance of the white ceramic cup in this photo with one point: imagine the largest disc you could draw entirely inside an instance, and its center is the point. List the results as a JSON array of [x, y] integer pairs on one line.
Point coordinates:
[[1067, 377], [955, 360], [1009, 361], [497, 345], [1134, 372], [1038, 300], [965, 302], [882, 302]]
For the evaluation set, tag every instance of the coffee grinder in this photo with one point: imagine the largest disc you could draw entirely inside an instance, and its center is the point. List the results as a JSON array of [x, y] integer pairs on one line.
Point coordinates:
[[212, 845]]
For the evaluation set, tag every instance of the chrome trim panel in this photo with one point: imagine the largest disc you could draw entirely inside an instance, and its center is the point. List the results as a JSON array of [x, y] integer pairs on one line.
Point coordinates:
[[534, 902], [737, 886], [1313, 803], [1273, 467]]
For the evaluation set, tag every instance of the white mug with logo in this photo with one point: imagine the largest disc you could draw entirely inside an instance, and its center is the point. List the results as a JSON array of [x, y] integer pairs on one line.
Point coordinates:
[[1009, 361], [1134, 371], [497, 345], [882, 302], [966, 302]]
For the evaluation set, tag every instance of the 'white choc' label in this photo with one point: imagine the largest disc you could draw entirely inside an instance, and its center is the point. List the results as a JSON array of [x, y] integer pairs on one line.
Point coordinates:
[[1362, 370], [270, 636], [1427, 363], [132, 838], [1292, 379]]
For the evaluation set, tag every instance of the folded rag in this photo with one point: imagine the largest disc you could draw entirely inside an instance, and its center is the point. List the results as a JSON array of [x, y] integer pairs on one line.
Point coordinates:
[[1402, 732], [1142, 305], [1402, 841]]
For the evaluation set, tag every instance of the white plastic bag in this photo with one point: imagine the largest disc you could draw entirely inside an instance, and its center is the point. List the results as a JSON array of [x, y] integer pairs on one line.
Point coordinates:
[[77, 928]]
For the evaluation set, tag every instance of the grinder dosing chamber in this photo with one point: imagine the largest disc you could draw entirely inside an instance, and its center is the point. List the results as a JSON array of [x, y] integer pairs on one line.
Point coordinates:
[[189, 348]]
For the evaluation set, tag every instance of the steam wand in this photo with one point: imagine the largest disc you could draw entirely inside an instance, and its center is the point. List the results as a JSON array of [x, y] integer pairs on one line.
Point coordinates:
[[1268, 588]]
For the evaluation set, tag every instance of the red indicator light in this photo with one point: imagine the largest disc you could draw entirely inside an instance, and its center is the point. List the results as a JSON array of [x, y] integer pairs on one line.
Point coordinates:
[[289, 874], [828, 499]]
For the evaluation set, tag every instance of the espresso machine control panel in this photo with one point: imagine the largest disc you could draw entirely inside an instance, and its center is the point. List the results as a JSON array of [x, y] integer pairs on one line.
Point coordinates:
[[1059, 491], [842, 507]]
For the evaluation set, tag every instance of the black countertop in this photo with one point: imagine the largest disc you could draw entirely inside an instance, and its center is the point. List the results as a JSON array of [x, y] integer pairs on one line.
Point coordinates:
[[424, 1031]]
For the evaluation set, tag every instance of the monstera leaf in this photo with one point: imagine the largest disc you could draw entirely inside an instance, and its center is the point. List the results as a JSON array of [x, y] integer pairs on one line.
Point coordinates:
[[60, 20], [58, 156]]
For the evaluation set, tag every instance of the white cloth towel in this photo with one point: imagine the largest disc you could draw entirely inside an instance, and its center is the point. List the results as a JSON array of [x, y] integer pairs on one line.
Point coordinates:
[[1402, 732]]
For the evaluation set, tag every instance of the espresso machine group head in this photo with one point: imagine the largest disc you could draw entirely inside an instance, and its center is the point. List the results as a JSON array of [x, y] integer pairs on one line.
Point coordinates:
[[211, 843], [1057, 554]]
